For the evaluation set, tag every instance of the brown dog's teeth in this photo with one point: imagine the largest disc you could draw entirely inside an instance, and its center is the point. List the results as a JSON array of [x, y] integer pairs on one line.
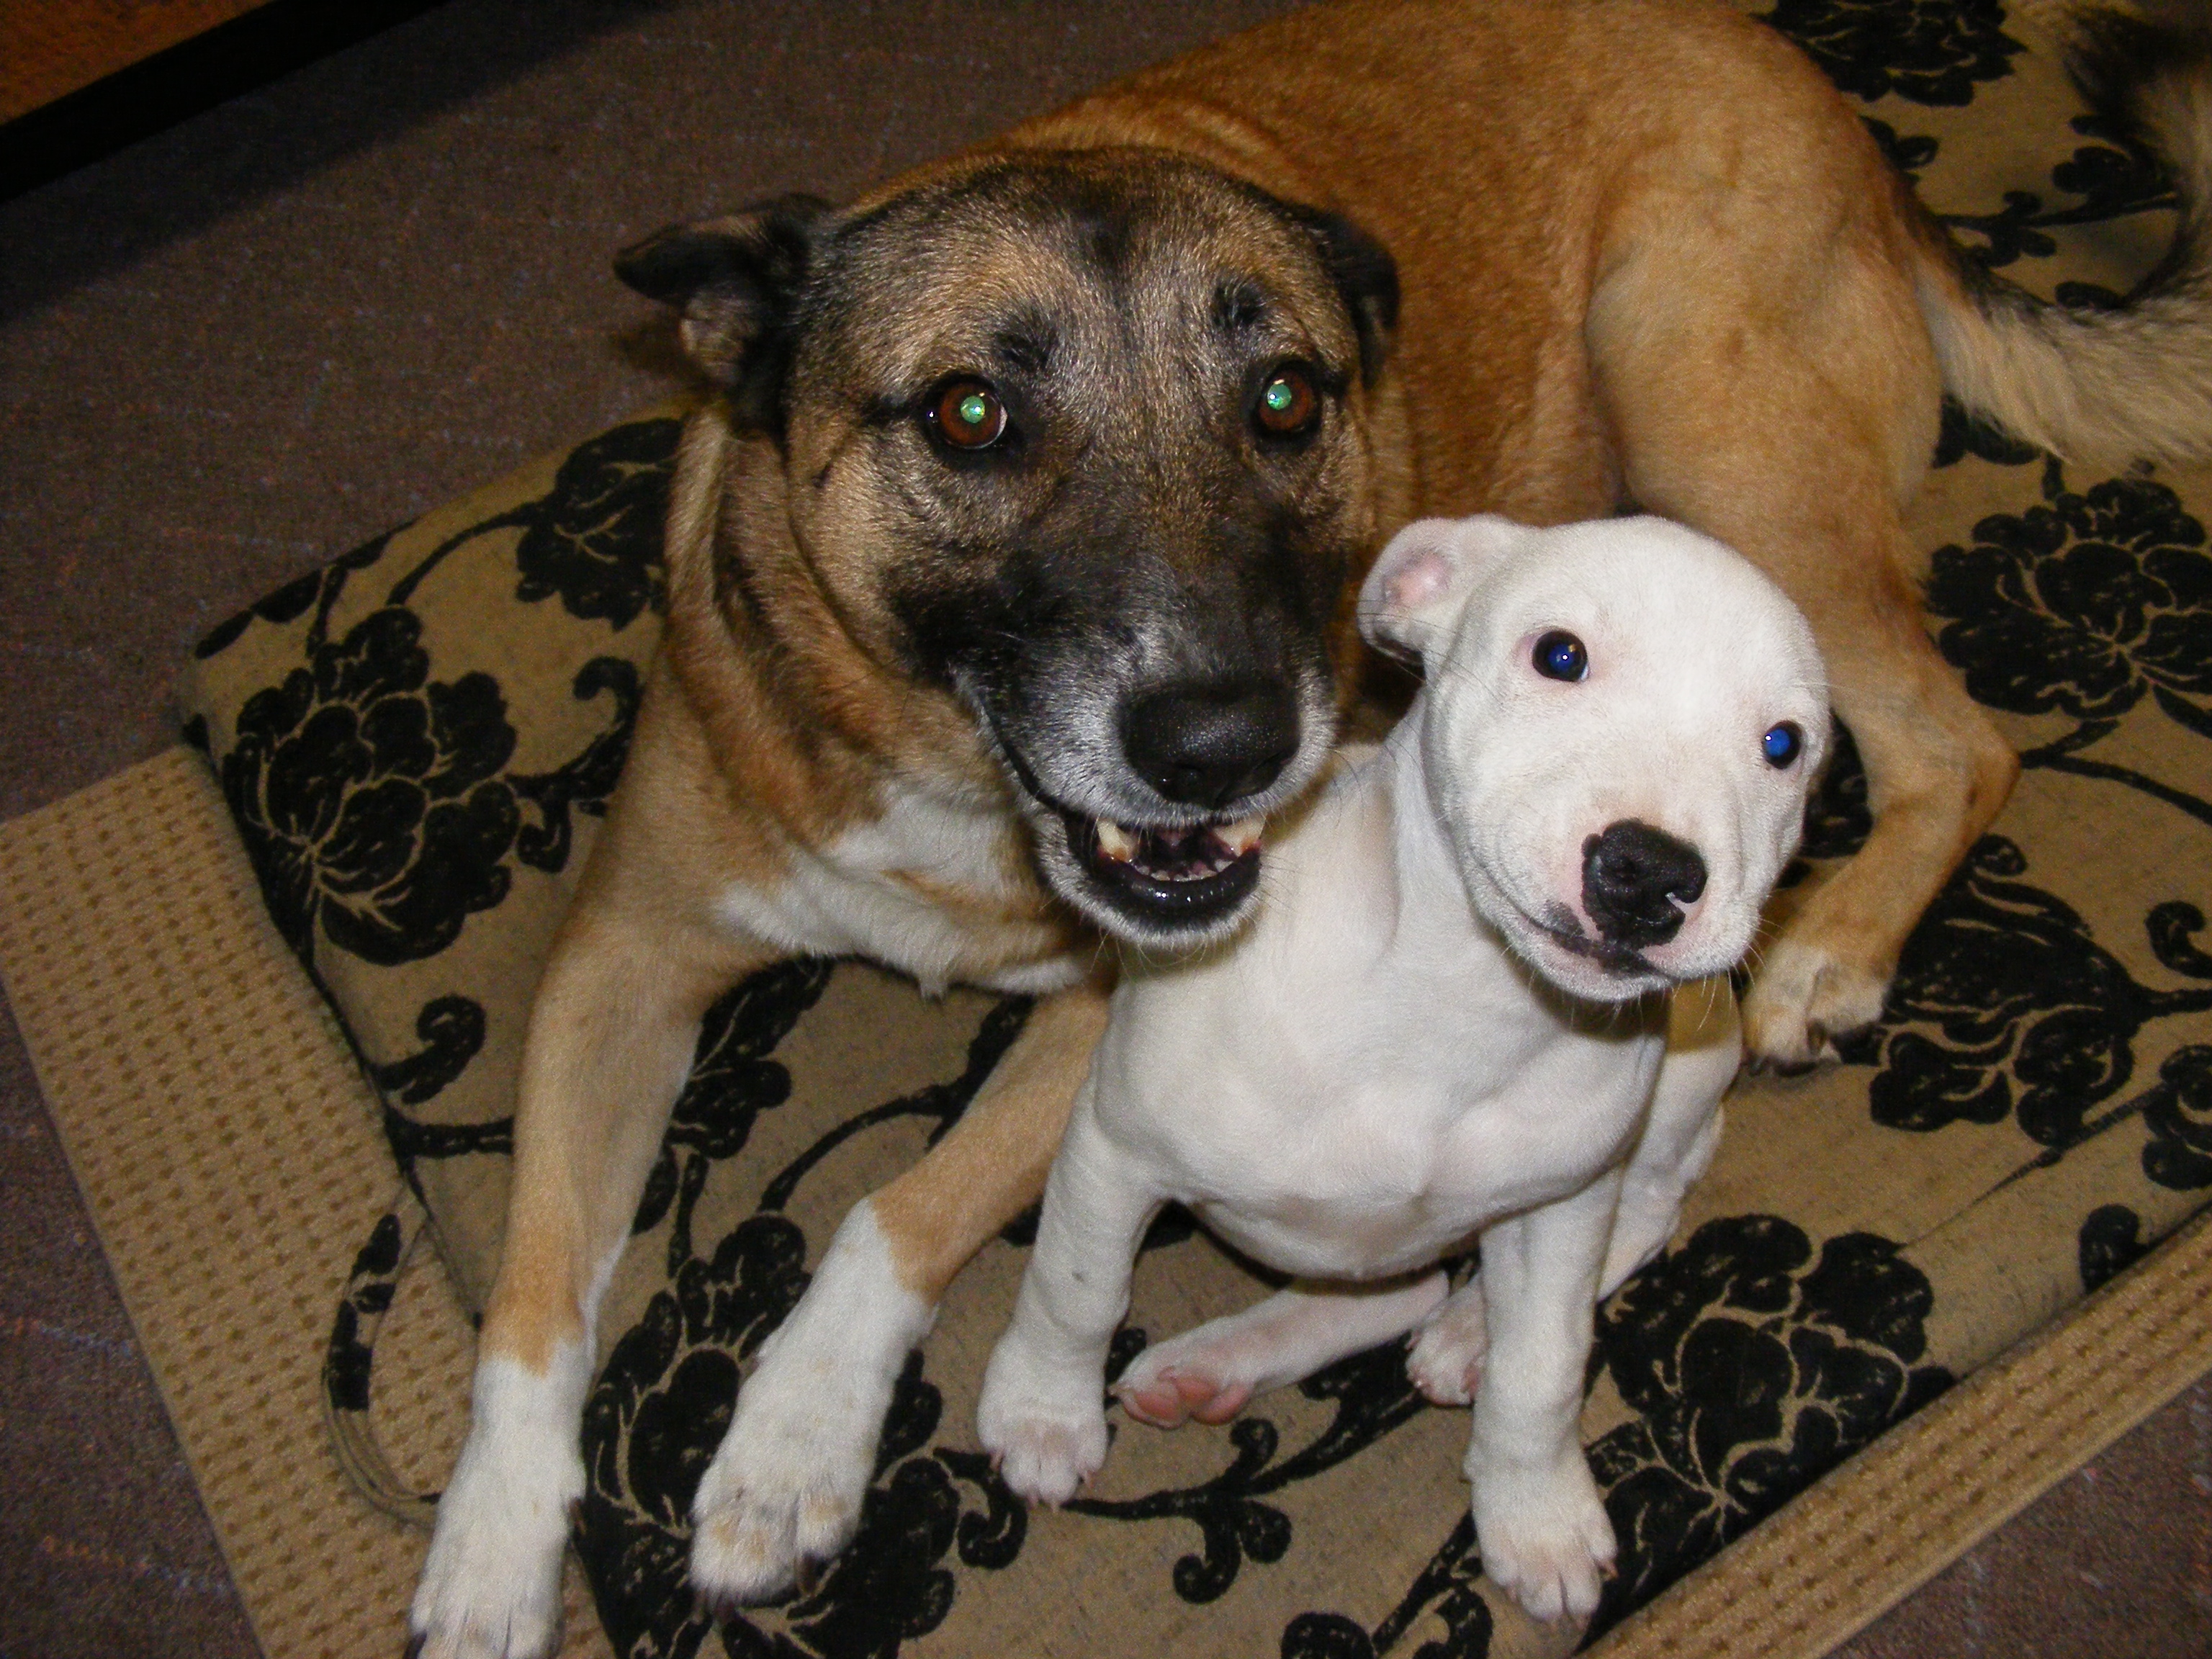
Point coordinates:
[[1116, 843], [1242, 837]]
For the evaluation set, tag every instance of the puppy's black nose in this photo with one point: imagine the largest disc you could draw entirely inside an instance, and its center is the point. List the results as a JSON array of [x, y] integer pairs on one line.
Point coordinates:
[[1207, 743], [1633, 877]]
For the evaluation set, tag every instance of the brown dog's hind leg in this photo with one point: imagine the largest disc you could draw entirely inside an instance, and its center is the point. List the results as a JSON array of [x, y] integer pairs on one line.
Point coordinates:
[[785, 1488], [1789, 418]]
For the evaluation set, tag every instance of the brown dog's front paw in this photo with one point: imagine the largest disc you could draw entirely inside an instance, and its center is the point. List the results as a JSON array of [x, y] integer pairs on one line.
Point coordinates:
[[1802, 1000]]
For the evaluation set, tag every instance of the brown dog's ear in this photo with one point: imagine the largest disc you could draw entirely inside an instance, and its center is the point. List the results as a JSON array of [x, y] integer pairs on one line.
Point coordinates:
[[736, 283], [1365, 274]]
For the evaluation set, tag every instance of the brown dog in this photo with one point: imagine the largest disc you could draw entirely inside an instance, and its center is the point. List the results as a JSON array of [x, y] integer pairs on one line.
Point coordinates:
[[1008, 578]]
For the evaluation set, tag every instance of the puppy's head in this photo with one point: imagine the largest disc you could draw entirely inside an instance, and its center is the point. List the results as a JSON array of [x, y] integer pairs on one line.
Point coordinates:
[[1081, 438], [1621, 721]]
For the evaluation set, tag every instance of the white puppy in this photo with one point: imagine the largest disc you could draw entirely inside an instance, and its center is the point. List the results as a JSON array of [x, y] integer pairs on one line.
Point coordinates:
[[1449, 1020]]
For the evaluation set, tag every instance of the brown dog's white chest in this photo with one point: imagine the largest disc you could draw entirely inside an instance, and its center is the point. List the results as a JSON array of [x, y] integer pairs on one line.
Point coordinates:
[[934, 886]]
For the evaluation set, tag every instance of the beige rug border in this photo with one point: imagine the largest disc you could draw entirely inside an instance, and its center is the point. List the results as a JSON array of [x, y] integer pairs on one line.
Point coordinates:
[[191, 1070]]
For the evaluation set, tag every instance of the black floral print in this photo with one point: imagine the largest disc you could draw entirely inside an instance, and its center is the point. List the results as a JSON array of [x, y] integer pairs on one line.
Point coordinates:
[[594, 541], [369, 798], [1756, 1366], [1930, 52]]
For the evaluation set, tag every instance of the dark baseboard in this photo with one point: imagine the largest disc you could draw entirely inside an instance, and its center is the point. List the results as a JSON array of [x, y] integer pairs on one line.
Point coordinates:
[[191, 76]]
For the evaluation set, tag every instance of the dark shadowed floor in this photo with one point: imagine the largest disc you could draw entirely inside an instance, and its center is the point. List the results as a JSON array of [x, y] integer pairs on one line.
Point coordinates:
[[235, 349]]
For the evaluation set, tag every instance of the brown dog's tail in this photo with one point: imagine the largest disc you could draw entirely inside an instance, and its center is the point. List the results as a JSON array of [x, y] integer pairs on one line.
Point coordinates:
[[2090, 382]]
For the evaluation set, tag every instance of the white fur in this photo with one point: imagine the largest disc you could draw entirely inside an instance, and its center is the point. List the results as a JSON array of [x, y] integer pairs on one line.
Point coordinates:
[[844, 900], [491, 1586], [786, 1485], [1400, 1054]]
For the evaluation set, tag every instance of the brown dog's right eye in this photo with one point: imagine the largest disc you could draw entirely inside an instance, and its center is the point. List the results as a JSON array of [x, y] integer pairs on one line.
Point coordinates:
[[1288, 407], [968, 416]]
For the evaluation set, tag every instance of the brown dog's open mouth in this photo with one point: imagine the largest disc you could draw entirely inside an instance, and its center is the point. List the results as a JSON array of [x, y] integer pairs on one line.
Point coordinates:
[[1175, 878]]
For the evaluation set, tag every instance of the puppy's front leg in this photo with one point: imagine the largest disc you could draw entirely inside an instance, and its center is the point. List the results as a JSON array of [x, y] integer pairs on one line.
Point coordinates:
[[610, 1038], [1538, 1517], [785, 1488], [1043, 1414], [1681, 1132]]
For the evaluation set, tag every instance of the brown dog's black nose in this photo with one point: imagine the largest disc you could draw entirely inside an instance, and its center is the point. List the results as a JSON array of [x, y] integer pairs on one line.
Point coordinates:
[[1633, 876], [1209, 743]]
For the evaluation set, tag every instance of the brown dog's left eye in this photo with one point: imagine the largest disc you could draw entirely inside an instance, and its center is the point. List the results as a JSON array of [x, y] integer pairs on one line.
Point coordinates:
[[968, 415], [1288, 407]]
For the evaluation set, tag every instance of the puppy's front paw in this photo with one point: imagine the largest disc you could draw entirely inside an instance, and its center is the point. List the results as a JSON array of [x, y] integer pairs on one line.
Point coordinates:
[[1804, 997], [784, 1489], [491, 1584], [1443, 1358], [1544, 1536], [1042, 1422]]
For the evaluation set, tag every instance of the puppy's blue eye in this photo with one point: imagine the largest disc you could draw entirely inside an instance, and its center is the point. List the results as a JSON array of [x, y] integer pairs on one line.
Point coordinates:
[[1782, 744], [1560, 656]]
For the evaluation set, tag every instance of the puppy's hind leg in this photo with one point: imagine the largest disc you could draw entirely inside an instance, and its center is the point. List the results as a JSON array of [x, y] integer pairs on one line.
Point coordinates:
[[1444, 1359], [1210, 1373], [784, 1489], [610, 1038]]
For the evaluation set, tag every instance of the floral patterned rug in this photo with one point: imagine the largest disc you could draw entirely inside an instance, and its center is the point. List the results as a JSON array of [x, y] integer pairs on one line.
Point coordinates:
[[416, 741]]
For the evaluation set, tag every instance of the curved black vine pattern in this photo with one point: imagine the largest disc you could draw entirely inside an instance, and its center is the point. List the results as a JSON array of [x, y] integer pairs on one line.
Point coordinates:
[[733, 1081], [319, 590], [1371, 1395], [452, 1032], [2111, 177], [1445, 1590]]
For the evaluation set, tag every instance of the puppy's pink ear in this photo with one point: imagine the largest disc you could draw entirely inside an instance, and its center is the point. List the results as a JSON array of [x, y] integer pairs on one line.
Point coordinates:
[[1421, 581]]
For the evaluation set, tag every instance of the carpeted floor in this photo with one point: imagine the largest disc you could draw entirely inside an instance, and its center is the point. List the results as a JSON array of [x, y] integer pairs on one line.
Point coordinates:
[[237, 348]]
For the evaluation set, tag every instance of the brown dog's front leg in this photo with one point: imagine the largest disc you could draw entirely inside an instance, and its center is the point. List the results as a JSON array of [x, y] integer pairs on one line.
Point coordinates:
[[611, 1039], [784, 1489]]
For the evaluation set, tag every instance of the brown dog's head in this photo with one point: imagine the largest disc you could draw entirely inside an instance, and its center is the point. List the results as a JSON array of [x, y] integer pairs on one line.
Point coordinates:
[[1081, 437]]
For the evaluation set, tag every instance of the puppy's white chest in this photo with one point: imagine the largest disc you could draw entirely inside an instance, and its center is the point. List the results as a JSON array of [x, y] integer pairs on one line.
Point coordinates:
[[1391, 1172]]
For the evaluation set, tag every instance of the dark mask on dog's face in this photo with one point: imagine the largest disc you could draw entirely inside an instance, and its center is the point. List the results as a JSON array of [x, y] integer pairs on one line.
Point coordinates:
[[1082, 439]]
